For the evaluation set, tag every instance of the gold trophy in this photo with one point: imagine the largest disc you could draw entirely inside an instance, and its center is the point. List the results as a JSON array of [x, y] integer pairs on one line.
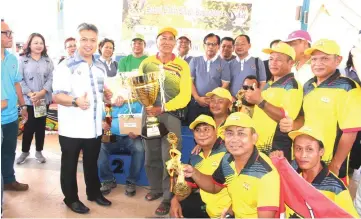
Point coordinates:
[[175, 167], [146, 88], [240, 106], [108, 137]]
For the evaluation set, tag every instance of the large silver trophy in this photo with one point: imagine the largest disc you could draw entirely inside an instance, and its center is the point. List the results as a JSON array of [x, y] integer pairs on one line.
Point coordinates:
[[146, 88]]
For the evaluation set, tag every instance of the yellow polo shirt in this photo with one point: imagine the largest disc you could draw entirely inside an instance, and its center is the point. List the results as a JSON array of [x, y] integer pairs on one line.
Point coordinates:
[[215, 203], [256, 187], [285, 93], [177, 84], [333, 107], [333, 188]]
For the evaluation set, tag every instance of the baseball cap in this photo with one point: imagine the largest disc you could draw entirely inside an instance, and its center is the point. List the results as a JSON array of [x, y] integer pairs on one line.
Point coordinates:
[[324, 45], [238, 119], [168, 29], [298, 35], [185, 36], [202, 119], [138, 36], [283, 48], [305, 130], [221, 92]]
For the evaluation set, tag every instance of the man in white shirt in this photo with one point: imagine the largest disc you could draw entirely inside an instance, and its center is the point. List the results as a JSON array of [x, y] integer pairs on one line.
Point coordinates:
[[300, 40], [78, 86]]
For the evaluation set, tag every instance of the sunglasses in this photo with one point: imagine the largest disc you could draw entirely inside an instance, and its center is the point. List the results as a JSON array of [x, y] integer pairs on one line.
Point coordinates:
[[246, 87], [8, 33]]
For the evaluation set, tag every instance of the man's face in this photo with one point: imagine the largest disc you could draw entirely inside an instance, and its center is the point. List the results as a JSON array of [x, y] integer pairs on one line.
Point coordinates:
[[211, 47], [166, 42], [183, 45], [219, 106], [138, 46], [205, 135], [239, 141], [227, 49], [249, 83], [307, 152], [323, 64], [6, 42], [299, 46], [87, 43], [242, 46], [280, 64], [70, 47]]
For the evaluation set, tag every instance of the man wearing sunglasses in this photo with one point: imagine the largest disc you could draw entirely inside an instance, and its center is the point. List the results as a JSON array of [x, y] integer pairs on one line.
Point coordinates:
[[10, 83], [281, 97]]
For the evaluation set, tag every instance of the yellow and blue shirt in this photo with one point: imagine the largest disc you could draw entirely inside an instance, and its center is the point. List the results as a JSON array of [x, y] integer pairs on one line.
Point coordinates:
[[285, 93], [215, 203], [333, 107], [255, 188]]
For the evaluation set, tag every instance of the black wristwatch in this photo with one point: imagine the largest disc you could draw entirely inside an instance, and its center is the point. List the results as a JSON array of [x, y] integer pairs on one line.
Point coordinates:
[[262, 104], [73, 102]]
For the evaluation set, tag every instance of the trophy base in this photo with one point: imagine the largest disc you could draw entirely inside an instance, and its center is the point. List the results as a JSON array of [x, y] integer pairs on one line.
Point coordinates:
[[109, 138], [153, 130]]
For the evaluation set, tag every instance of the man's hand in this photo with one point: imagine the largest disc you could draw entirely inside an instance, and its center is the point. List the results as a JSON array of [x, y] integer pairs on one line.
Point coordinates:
[[253, 96], [227, 211], [108, 94], [132, 135], [203, 101], [196, 150], [175, 209], [286, 124], [119, 101], [154, 111], [334, 168], [106, 127], [188, 170], [24, 115], [277, 154], [83, 102]]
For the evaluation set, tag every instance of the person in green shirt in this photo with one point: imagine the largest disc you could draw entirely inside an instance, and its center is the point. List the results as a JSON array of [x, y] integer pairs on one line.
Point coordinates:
[[132, 62]]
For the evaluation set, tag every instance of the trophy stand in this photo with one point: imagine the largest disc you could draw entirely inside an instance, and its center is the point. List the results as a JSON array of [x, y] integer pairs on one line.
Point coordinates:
[[108, 137], [175, 167]]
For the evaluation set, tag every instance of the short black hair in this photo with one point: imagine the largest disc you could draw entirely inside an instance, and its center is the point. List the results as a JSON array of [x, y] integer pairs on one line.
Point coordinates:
[[103, 42], [202, 124], [320, 143], [246, 36], [274, 42], [227, 39], [251, 77], [211, 35]]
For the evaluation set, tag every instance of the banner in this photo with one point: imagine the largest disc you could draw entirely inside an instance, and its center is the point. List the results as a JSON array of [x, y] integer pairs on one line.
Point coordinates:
[[195, 18]]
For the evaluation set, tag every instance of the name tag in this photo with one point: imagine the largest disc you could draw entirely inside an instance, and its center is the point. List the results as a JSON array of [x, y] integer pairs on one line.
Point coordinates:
[[130, 124]]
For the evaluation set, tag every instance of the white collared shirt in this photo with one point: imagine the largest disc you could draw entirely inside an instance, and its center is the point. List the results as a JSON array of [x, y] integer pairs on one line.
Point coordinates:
[[304, 73], [210, 61], [243, 60]]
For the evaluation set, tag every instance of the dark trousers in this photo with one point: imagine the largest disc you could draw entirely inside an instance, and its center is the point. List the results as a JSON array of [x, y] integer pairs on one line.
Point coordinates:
[[194, 207], [70, 148], [8, 147], [34, 125], [194, 110], [355, 161]]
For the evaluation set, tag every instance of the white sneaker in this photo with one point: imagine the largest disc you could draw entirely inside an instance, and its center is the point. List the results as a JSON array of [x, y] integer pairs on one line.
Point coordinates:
[[22, 158], [39, 157]]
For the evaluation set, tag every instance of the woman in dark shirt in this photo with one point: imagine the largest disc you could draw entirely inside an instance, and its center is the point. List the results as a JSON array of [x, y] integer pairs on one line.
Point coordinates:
[[106, 50]]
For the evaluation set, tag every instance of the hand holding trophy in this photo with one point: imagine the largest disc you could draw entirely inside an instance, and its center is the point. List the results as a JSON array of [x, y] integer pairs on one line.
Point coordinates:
[[175, 167]]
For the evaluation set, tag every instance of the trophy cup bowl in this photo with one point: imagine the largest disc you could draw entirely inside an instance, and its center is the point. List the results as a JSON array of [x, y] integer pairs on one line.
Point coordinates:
[[146, 88]]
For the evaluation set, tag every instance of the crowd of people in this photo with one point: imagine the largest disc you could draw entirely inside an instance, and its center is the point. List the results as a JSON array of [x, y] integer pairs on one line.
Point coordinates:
[[299, 105]]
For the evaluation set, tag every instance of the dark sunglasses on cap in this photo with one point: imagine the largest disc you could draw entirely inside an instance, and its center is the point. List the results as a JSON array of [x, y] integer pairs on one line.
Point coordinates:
[[8, 33], [246, 87]]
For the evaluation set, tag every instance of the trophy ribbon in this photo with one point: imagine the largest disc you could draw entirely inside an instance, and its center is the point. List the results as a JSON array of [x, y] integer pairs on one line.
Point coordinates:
[[161, 80]]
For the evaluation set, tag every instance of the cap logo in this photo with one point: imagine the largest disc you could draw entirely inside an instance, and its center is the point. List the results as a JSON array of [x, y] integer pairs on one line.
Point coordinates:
[[321, 43], [234, 117], [307, 129]]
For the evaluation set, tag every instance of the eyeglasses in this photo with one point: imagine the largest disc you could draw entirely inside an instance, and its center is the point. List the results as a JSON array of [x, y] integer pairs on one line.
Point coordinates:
[[246, 87], [8, 33], [211, 44]]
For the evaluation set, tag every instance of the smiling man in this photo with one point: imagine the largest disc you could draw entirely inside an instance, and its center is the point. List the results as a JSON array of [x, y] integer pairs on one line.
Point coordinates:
[[184, 44]]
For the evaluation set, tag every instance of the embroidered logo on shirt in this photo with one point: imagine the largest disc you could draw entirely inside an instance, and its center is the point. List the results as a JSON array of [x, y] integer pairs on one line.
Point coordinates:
[[246, 186], [325, 99], [214, 164], [79, 72]]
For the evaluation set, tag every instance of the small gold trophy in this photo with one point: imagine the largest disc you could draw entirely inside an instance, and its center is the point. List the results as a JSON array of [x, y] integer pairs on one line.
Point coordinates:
[[175, 167], [108, 136], [240, 104]]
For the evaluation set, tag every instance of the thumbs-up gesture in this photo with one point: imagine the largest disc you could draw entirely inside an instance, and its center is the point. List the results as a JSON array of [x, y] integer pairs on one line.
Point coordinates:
[[286, 124], [83, 102], [253, 96]]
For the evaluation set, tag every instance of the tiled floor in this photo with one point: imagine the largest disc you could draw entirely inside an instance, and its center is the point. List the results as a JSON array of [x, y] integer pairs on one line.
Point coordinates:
[[45, 198]]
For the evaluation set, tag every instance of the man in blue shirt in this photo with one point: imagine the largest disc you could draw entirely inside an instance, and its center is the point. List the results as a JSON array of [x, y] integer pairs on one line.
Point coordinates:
[[10, 82]]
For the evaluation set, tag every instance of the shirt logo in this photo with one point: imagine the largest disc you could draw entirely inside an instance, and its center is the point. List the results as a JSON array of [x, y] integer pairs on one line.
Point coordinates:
[[325, 99], [214, 164], [246, 186], [79, 72]]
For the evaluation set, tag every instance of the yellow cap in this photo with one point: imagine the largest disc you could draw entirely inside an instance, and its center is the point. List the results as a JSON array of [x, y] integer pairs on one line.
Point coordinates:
[[238, 119], [325, 45], [305, 130], [138, 36], [221, 92], [202, 119], [168, 29], [283, 48]]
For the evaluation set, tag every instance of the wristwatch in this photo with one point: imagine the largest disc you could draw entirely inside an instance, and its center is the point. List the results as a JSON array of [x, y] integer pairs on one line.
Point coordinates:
[[73, 103], [262, 104]]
